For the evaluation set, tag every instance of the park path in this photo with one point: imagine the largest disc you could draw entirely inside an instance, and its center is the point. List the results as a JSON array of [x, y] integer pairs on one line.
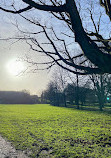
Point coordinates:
[[8, 151]]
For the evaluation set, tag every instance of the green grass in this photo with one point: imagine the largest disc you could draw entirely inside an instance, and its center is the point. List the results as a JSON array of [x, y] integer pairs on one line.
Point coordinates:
[[58, 132]]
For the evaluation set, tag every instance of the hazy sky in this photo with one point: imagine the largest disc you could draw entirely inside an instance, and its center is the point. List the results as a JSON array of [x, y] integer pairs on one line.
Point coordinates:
[[9, 53]]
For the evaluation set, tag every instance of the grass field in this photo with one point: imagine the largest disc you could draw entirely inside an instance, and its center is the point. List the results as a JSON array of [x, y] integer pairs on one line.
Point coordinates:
[[47, 131]]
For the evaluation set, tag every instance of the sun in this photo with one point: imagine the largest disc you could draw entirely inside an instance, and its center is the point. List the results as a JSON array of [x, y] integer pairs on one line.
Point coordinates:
[[15, 67]]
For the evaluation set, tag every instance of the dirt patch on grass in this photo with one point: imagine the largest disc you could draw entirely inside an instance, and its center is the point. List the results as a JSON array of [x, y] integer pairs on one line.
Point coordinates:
[[8, 151]]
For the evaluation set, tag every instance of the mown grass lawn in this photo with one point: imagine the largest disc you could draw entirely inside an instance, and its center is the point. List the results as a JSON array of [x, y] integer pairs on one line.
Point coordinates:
[[56, 132]]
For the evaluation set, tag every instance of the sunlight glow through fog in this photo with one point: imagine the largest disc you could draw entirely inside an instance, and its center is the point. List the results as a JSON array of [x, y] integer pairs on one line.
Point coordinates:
[[15, 67]]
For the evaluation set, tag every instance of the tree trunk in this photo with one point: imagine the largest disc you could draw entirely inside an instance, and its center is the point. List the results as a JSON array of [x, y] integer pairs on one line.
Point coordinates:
[[101, 102], [77, 93], [101, 108], [65, 100]]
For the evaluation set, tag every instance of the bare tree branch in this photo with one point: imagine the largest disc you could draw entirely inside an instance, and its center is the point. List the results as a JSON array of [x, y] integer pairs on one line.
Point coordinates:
[[95, 48], [18, 11], [46, 7]]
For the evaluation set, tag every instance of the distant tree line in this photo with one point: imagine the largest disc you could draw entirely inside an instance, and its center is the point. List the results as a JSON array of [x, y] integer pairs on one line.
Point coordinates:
[[67, 90], [18, 97], [64, 90], [69, 96]]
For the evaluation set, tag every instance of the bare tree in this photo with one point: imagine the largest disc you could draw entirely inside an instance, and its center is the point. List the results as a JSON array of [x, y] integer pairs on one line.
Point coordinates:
[[81, 86], [51, 94], [60, 78], [95, 46], [102, 86]]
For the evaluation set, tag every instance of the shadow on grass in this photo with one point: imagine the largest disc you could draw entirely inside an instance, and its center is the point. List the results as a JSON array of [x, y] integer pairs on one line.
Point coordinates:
[[106, 109]]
